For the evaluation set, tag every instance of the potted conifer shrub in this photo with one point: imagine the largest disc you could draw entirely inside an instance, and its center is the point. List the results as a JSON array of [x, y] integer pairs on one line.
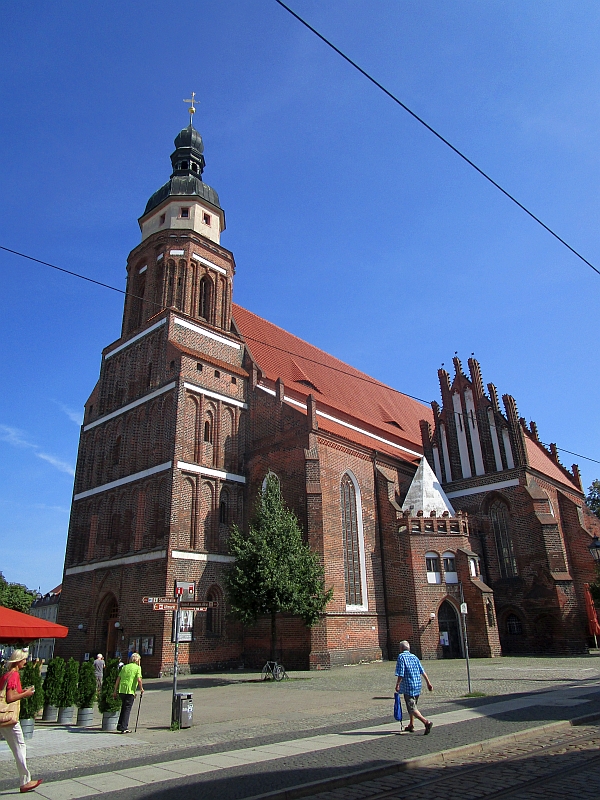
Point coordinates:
[[68, 693], [108, 705], [53, 681], [30, 676], [86, 694]]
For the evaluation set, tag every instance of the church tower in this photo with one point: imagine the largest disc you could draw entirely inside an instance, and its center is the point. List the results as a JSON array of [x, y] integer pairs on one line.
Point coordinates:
[[159, 471]]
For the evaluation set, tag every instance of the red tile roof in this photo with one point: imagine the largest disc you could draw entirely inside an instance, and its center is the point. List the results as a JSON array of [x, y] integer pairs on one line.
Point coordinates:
[[540, 460], [340, 390]]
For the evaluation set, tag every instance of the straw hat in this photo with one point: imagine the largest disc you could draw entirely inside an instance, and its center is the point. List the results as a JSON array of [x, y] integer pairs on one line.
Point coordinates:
[[18, 655]]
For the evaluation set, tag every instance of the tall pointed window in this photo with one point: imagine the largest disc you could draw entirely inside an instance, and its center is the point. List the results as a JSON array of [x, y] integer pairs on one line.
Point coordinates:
[[205, 298], [500, 524], [352, 542]]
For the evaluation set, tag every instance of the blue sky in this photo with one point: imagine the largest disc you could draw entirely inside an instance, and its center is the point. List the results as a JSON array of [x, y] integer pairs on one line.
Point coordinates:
[[351, 225]]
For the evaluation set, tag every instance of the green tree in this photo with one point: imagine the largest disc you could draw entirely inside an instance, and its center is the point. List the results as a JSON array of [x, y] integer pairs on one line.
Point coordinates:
[[593, 497], [53, 681], [68, 692], [31, 676], [15, 595], [274, 570], [86, 690], [106, 701]]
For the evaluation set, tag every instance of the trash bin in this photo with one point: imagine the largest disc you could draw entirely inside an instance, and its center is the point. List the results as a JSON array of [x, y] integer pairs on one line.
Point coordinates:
[[184, 709]]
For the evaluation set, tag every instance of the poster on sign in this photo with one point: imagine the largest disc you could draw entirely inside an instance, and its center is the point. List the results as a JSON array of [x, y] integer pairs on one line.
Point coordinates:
[[444, 639], [186, 626]]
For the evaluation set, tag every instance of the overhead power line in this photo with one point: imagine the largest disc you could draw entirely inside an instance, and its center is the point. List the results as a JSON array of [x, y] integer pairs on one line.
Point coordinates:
[[439, 136], [364, 378]]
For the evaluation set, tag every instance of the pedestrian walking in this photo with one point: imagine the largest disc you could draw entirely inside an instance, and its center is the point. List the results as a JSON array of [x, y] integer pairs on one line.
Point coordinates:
[[11, 694], [408, 672], [99, 665], [128, 680]]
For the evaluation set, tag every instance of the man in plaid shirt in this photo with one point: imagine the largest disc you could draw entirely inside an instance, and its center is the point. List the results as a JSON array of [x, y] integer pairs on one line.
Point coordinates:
[[408, 671]]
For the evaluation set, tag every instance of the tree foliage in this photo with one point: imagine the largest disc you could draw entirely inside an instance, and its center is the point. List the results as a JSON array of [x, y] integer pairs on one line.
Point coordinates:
[[53, 681], [68, 692], [86, 689], [593, 497], [15, 596], [106, 701], [274, 570], [31, 676]]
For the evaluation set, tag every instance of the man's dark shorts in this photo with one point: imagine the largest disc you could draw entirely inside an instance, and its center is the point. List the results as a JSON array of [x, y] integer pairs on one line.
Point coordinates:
[[411, 702]]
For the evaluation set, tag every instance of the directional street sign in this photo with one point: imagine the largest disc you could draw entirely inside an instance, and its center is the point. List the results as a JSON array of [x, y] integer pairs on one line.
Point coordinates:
[[164, 607], [158, 600], [191, 606]]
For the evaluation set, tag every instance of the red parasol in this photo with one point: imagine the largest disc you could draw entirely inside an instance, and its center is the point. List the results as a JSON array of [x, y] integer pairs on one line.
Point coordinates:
[[16, 627], [592, 616]]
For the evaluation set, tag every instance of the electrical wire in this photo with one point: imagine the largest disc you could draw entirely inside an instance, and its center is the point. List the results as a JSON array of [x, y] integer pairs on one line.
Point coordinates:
[[439, 136], [360, 377]]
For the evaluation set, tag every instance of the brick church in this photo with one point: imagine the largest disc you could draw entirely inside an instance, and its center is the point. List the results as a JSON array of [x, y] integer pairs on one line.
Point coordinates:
[[412, 509]]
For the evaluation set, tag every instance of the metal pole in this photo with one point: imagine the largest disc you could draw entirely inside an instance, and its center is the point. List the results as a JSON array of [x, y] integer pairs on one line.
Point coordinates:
[[465, 638], [175, 660]]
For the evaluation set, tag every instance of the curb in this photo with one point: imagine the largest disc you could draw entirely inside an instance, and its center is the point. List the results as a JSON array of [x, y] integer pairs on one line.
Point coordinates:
[[374, 773]]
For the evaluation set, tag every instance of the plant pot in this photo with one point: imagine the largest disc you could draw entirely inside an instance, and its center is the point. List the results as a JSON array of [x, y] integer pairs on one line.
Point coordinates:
[[50, 714], [27, 726], [65, 716], [109, 720], [85, 717]]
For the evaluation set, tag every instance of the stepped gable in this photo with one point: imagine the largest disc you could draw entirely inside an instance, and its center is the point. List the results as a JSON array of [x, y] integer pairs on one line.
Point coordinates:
[[425, 493], [356, 397], [540, 460]]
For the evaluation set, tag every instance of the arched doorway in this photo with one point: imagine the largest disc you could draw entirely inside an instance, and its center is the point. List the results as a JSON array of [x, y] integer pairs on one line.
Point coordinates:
[[107, 633], [449, 627]]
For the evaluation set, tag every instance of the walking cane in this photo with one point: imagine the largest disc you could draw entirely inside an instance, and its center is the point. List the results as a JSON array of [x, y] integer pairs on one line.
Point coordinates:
[[138, 714]]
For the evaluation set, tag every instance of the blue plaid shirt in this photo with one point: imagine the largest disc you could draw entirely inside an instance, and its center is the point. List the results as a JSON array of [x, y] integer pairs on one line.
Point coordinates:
[[408, 667]]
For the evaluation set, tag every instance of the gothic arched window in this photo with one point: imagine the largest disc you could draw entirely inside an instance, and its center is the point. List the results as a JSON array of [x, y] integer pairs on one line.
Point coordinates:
[[500, 524], [514, 626], [215, 614], [351, 536], [205, 298]]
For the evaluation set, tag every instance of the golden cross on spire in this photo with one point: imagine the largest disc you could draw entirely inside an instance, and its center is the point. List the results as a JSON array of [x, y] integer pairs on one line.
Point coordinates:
[[191, 109]]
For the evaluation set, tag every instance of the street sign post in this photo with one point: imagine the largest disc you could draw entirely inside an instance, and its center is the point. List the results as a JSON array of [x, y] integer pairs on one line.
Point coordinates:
[[463, 614], [178, 604]]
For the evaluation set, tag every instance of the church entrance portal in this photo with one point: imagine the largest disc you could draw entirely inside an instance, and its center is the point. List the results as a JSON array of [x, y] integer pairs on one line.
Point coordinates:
[[106, 627], [449, 627]]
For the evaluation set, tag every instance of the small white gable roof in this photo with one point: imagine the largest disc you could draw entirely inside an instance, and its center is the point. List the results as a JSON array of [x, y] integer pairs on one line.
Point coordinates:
[[426, 494]]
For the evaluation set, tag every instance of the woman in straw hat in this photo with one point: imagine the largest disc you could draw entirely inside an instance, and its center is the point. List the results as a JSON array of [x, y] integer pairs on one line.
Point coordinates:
[[12, 732]]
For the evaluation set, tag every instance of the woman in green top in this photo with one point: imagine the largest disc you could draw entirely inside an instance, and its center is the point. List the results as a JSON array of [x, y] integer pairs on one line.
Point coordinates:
[[128, 681]]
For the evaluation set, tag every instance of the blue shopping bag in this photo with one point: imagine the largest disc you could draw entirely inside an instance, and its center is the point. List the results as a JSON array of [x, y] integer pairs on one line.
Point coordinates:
[[397, 707]]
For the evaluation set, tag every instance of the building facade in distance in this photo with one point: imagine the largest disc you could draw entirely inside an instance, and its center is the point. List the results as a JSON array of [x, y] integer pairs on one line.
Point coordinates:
[[45, 607], [413, 510]]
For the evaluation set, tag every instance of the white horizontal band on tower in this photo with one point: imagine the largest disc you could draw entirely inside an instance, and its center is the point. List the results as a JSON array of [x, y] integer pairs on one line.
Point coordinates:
[[184, 466], [192, 387], [135, 338], [145, 473], [184, 555], [197, 329], [140, 401], [208, 263], [117, 562]]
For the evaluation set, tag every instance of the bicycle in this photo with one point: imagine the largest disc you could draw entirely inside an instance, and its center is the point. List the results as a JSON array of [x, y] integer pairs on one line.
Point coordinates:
[[273, 670]]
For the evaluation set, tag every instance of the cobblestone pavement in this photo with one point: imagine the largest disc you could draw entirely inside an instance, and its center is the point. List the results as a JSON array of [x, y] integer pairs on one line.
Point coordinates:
[[235, 710], [560, 766]]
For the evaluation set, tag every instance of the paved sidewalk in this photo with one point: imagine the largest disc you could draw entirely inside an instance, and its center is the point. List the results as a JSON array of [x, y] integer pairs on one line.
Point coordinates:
[[142, 778], [235, 711]]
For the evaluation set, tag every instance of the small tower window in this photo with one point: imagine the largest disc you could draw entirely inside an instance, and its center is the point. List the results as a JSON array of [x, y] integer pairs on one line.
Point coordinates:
[[207, 437], [185, 213], [184, 165], [162, 219], [206, 219], [217, 374], [194, 167], [233, 380], [199, 367]]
